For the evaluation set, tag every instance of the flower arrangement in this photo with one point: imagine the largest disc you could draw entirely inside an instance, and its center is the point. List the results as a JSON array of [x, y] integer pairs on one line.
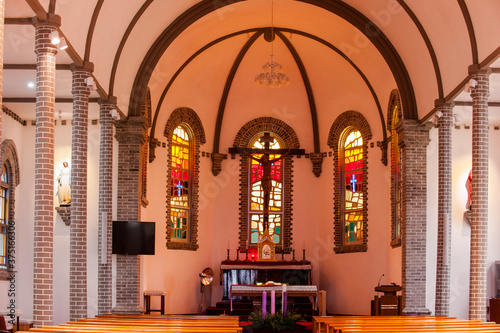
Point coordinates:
[[276, 321]]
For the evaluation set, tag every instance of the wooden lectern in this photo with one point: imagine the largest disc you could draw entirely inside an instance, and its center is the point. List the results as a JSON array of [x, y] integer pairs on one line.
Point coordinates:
[[390, 303]]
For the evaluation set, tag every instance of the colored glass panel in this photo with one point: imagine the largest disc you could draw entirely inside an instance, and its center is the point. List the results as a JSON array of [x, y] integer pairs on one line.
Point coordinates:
[[353, 191], [256, 195], [180, 184], [4, 216], [397, 175]]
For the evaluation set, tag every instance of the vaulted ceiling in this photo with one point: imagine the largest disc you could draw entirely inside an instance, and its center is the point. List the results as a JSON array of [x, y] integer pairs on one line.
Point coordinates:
[[338, 54]]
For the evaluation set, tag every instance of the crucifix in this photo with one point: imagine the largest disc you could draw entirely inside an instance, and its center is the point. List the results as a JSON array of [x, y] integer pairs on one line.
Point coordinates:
[[353, 183], [266, 163], [179, 187]]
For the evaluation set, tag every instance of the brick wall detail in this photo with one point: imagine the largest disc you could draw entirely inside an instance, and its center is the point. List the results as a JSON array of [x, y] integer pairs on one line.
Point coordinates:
[[445, 124], [413, 141], [242, 140], [345, 121], [187, 117], [131, 137], [44, 176], [105, 279], [479, 214]]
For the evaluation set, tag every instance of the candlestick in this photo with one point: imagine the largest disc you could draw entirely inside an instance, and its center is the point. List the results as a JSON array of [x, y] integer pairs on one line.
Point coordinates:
[[264, 304], [293, 256], [273, 302], [228, 255], [304, 255], [237, 254]]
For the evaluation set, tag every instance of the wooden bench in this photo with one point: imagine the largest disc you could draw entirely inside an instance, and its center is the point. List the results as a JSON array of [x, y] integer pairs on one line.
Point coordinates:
[[400, 324], [141, 323]]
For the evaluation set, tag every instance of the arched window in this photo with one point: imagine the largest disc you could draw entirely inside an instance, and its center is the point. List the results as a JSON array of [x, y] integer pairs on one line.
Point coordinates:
[[4, 216], [256, 193], [349, 137], [279, 135], [180, 184], [397, 180], [351, 182], [184, 132]]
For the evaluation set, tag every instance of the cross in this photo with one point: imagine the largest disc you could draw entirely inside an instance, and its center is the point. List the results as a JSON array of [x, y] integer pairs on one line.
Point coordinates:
[[266, 163], [353, 183], [180, 187]]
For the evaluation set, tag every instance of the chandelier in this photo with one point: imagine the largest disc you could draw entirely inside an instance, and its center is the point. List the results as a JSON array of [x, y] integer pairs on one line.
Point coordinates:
[[271, 75]]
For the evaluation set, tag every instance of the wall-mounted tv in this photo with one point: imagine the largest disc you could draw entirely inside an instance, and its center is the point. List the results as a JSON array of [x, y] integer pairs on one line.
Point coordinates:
[[133, 238]]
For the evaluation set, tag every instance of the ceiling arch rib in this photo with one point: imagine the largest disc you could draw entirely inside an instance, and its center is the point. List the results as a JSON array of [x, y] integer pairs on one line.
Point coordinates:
[[301, 69], [470, 28], [378, 39], [307, 84], [428, 44], [93, 21]]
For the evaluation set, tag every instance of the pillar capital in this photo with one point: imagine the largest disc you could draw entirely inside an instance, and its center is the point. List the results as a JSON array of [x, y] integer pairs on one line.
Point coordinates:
[[111, 100], [130, 130], [52, 20], [87, 66], [475, 69]]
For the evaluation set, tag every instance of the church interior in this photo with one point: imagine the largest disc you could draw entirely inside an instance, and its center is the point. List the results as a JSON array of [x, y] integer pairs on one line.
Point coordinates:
[[347, 145]]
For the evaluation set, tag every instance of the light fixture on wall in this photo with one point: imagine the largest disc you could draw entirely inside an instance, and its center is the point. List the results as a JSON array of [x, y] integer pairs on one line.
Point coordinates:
[[469, 85], [115, 115], [271, 75], [63, 45], [89, 81], [54, 37]]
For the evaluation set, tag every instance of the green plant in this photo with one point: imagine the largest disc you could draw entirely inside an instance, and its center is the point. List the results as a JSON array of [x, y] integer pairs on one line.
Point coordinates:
[[276, 321]]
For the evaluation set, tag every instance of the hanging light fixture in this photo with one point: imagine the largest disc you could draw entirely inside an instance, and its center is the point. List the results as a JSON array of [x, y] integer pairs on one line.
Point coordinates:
[[271, 75]]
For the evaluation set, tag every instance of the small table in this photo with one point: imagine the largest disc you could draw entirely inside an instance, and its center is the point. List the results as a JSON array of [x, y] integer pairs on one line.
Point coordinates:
[[292, 291], [147, 300]]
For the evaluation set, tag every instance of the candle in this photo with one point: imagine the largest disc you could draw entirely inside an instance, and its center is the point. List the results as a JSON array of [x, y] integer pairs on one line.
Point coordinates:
[[285, 300], [264, 304], [273, 294]]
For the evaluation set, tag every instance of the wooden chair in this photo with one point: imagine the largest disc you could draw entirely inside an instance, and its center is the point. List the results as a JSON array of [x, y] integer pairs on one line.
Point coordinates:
[[3, 325]]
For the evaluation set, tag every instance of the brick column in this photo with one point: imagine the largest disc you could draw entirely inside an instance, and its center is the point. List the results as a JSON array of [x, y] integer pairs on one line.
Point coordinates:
[[78, 227], [479, 213], [131, 137], [44, 173], [413, 139], [105, 280], [445, 124]]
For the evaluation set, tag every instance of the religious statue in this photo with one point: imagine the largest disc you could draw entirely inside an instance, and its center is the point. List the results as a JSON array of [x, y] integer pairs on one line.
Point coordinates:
[[64, 188], [468, 186]]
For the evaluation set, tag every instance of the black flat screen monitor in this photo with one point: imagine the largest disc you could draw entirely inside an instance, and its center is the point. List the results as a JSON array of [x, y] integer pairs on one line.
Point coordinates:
[[133, 238]]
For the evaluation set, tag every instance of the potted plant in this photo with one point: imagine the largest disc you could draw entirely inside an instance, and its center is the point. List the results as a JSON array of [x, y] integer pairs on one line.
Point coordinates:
[[276, 322]]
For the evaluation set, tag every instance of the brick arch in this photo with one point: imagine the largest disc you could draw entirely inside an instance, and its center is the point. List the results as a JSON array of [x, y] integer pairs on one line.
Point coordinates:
[[10, 157], [349, 120], [188, 117], [242, 140]]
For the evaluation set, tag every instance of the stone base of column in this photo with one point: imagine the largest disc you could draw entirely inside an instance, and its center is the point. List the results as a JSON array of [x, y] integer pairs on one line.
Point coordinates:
[[127, 309], [416, 312]]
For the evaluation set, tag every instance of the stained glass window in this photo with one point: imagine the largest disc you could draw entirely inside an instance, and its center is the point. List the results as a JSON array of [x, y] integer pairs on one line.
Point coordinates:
[[396, 176], [4, 216], [180, 185], [256, 195], [352, 183]]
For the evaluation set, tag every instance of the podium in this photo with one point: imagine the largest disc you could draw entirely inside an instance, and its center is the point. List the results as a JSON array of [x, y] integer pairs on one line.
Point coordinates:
[[389, 304]]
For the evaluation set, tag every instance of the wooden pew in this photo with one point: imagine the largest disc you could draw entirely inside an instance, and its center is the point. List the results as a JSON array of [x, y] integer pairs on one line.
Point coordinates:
[[400, 324], [140, 323]]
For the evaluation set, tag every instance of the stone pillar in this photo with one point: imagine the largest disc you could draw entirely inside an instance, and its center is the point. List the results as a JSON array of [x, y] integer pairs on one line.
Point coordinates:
[[131, 137], [78, 227], [479, 213], [105, 279], [413, 139], [44, 172], [445, 124]]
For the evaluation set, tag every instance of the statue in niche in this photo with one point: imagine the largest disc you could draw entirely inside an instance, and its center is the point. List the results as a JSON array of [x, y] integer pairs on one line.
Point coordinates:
[[468, 186], [64, 187]]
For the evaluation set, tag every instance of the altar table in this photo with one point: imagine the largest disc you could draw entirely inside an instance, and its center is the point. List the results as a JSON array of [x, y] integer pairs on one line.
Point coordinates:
[[251, 272], [292, 291]]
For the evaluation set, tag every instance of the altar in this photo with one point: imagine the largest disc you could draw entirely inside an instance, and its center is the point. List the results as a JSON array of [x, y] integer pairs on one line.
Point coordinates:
[[248, 272]]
